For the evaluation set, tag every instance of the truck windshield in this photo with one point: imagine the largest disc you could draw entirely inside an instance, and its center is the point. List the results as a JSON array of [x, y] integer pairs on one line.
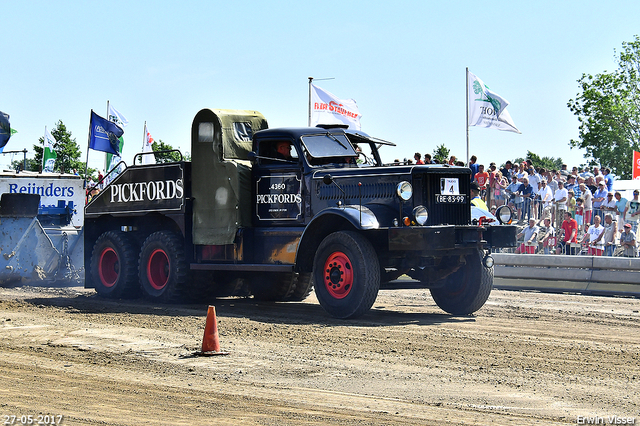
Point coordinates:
[[328, 145]]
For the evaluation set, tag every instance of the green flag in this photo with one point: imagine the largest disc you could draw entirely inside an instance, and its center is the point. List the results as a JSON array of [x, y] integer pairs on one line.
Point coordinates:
[[49, 154]]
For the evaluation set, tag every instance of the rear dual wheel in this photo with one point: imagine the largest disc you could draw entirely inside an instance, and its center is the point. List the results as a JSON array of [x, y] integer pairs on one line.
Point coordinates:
[[162, 268], [113, 265]]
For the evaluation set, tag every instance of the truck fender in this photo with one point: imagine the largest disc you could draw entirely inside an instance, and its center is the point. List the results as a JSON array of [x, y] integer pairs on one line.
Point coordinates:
[[330, 220], [361, 217]]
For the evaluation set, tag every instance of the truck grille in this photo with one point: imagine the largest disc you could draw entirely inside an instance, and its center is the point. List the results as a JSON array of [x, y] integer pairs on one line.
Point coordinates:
[[444, 213]]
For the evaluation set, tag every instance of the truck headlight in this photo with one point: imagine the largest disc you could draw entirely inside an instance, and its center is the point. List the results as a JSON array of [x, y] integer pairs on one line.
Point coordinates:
[[420, 215], [404, 190], [504, 214]]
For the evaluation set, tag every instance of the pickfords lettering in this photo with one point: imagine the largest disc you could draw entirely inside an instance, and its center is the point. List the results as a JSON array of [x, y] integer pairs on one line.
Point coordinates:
[[279, 198], [146, 191]]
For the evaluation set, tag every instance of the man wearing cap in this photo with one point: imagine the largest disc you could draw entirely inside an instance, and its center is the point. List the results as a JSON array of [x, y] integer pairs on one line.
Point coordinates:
[[609, 204], [512, 192], [599, 197], [628, 241], [632, 212], [475, 196], [526, 191], [548, 233], [530, 243]]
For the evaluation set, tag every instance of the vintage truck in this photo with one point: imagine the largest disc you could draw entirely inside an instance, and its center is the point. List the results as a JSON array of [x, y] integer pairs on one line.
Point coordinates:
[[243, 219]]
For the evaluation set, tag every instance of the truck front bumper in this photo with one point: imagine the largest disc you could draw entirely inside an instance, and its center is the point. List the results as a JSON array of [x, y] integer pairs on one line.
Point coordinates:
[[450, 237]]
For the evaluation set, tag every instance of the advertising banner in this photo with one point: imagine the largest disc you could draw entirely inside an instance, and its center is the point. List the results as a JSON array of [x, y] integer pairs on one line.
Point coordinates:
[[54, 191]]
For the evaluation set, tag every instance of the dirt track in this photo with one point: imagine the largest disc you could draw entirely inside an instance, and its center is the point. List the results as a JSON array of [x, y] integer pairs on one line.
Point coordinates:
[[525, 358]]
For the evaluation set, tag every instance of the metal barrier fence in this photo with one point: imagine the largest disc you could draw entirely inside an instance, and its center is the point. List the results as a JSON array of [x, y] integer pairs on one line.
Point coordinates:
[[579, 274]]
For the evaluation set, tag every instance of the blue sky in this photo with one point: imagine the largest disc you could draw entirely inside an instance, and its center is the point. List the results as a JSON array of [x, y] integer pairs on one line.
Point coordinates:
[[403, 62]]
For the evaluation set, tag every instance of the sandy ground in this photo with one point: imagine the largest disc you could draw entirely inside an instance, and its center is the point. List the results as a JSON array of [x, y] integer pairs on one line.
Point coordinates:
[[525, 358]]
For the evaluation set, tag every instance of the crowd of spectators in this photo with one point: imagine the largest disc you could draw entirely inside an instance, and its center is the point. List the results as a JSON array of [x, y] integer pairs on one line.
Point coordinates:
[[562, 211]]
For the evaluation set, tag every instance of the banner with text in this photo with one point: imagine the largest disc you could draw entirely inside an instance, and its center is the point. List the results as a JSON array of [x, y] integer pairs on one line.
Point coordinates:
[[636, 165], [487, 108], [326, 108]]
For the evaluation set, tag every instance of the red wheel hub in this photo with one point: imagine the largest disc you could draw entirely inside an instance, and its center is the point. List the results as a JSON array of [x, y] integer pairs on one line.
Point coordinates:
[[109, 267], [338, 275], [158, 269]]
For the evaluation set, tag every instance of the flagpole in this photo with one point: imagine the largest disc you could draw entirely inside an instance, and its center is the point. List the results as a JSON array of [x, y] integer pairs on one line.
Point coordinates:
[[144, 141], [106, 156], [86, 165], [466, 83], [309, 122], [310, 81], [44, 145]]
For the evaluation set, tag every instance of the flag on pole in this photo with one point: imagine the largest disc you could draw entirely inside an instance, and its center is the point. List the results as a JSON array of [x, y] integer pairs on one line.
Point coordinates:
[[147, 146], [326, 108], [112, 160], [49, 154], [636, 166], [5, 130], [117, 117], [487, 108], [104, 135]]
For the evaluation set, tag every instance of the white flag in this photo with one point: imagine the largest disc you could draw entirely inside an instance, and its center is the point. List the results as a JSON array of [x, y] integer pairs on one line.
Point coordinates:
[[147, 147], [49, 155], [326, 108], [117, 117], [487, 108]]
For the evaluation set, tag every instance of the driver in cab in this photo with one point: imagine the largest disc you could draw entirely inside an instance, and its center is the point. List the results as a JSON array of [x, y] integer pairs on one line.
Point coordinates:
[[283, 151]]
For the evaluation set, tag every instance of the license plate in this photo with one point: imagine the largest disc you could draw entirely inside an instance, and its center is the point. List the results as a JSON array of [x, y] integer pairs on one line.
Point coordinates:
[[451, 199]]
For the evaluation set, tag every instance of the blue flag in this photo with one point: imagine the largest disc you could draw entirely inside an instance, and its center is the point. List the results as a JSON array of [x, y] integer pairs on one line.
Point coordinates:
[[104, 135], [5, 130]]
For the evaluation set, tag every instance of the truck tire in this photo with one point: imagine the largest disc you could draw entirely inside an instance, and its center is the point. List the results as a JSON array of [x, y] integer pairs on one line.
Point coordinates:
[[346, 273], [162, 267], [304, 285], [114, 266], [466, 290]]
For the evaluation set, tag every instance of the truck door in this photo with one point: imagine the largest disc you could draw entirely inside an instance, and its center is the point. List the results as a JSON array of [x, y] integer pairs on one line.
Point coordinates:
[[278, 184]]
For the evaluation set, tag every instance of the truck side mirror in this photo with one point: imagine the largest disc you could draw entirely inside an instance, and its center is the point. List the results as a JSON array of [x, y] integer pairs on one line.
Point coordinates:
[[251, 156]]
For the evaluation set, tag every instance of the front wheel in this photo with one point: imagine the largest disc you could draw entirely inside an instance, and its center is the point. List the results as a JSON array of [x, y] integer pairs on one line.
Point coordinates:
[[162, 267], [346, 273], [466, 290]]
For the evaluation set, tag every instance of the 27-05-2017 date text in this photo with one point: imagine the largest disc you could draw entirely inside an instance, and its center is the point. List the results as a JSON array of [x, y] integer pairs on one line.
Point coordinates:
[[38, 419]]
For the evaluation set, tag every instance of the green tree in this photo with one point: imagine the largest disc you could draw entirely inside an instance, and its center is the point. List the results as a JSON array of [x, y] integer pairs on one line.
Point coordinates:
[[548, 163], [608, 110], [65, 147], [441, 154]]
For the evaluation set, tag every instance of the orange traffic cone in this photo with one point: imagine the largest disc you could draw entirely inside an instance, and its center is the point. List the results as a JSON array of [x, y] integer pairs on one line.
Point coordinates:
[[210, 341]]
